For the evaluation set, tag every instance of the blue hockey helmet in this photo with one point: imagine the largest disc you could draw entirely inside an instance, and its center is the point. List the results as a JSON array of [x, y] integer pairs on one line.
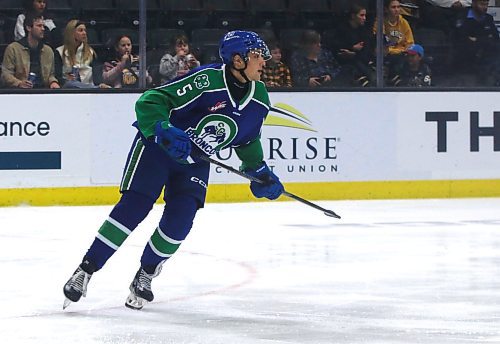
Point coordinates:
[[241, 43]]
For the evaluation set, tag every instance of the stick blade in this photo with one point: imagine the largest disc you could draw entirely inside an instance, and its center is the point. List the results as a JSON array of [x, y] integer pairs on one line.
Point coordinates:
[[331, 214]]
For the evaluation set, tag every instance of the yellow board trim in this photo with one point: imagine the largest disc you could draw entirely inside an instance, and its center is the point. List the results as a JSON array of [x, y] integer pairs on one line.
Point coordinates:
[[218, 193]]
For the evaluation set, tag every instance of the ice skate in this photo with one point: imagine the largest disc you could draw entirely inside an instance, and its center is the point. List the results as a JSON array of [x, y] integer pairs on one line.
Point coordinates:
[[76, 287], [140, 290]]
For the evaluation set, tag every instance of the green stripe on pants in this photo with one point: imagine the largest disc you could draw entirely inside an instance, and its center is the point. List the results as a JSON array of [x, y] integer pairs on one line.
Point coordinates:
[[112, 233], [162, 245]]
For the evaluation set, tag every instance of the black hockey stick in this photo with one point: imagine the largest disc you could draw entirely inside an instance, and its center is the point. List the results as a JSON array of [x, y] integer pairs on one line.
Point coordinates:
[[327, 212]]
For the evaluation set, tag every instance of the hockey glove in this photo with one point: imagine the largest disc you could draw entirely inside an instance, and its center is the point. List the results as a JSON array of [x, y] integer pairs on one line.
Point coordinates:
[[271, 188], [172, 140]]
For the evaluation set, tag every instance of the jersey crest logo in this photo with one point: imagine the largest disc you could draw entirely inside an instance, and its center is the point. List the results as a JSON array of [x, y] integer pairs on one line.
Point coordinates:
[[213, 133], [201, 81], [219, 105]]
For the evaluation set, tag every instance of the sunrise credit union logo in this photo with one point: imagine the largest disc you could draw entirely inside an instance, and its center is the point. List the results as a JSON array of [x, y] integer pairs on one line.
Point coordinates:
[[284, 115]]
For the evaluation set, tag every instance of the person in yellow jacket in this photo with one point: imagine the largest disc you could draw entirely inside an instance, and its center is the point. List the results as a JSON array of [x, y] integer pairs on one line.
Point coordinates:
[[398, 34]]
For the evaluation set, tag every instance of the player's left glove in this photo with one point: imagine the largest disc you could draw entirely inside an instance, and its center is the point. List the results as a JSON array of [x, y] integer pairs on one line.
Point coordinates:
[[271, 188], [173, 140]]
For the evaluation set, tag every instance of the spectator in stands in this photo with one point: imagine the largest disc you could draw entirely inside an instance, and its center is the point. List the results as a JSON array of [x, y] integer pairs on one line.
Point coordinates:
[[397, 32], [313, 66], [275, 72], [355, 46], [442, 14], [39, 7], [476, 44], [178, 61], [414, 72], [28, 63], [122, 71], [75, 59]]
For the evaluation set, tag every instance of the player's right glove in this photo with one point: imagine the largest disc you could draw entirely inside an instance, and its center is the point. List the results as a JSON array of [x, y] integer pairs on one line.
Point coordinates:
[[173, 140], [271, 188]]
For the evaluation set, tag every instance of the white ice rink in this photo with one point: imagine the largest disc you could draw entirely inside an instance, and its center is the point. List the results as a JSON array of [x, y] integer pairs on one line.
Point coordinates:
[[424, 271]]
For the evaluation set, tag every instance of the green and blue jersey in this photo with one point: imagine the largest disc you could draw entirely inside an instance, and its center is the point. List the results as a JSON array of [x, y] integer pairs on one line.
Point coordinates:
[[200, 104]]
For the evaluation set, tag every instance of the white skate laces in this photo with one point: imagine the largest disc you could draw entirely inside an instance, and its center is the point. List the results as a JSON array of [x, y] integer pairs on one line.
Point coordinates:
[[140, 290], [76, 287]]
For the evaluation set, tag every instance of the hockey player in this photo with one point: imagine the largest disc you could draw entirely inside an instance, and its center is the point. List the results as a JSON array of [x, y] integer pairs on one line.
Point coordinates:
[[213, 107]]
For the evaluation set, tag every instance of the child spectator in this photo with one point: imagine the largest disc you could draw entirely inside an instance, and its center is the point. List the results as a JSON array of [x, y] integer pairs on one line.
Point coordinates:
[[414, 72], [38, 7], [123, 70], [178, 61], [75, 58], [276, 73], [29, 63], [312, 65]]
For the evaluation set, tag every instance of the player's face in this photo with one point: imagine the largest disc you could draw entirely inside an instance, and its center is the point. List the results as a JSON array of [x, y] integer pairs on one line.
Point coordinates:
[[255, 64], [81, 33]]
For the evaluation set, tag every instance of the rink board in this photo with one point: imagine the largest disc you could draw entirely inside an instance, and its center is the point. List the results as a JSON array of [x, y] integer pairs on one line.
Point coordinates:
[[71, 148]]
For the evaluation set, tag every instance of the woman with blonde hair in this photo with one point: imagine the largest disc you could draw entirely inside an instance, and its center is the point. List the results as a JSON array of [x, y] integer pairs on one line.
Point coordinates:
[[76, 57]]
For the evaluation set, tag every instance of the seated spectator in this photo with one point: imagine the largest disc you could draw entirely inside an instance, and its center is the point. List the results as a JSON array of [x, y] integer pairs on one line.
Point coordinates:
[[37, 7], [275, 72], [442, 14], [122, 71], [476, 44], [414, 72], [75, 58], [313, 66], [397, 32], [355, 46], [28, 63], [178, 61]]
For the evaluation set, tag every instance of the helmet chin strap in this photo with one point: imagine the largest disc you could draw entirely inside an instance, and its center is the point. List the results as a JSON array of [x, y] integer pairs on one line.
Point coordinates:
[[242, 71]]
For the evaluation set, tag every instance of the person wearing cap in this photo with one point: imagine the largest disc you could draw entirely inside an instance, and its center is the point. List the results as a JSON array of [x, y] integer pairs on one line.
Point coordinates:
[[414, 72]]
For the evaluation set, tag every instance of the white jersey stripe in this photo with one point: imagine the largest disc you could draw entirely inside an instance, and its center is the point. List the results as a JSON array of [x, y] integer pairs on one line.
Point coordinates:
[[119, 226], [156, 251], [168, 239], [106, 241]]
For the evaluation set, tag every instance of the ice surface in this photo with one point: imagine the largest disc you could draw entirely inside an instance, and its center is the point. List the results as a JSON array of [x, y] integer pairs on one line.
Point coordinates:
[[419, 271]]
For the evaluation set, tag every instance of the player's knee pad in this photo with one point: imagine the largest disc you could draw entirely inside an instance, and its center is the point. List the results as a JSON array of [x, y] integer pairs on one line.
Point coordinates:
[[178, 216], [132, 208]]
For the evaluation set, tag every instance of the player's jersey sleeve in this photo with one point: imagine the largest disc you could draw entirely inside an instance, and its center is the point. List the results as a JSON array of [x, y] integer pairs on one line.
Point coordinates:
[[251, 154], [157, 104]]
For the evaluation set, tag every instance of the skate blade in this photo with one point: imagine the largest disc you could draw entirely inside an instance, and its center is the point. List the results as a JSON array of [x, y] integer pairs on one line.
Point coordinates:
[[66, 303], [135, 302]]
